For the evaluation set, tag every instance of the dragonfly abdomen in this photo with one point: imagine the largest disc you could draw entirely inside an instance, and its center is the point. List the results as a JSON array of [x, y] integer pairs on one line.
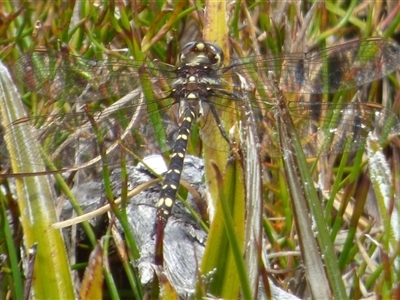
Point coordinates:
[[171, 181]]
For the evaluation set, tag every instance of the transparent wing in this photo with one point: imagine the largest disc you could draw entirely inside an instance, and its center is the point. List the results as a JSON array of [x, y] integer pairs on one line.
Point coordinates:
[[330, 70], [64, 131], [329, 128], [333, 69], [63, 77], [71, 141]]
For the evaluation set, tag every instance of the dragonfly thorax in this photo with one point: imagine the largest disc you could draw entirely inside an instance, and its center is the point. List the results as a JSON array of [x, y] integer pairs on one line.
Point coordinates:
[[197, 76]]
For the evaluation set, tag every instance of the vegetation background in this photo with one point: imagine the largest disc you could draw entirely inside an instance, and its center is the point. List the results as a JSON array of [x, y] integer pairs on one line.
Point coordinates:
[[363, 264]]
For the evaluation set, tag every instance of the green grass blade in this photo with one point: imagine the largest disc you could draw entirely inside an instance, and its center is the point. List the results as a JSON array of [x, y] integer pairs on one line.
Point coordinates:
[[52, 278], [14, 280], [382, 181], [306, 203]]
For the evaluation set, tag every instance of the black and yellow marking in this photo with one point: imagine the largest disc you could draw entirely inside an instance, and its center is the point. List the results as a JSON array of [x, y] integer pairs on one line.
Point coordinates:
[[173, 176], [171, 182]]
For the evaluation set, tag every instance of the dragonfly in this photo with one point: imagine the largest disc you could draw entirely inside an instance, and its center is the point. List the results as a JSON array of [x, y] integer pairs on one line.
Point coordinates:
[[160, 103]]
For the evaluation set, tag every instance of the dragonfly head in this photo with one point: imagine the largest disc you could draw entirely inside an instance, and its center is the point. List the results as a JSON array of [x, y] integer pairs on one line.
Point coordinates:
[[201, 53]]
